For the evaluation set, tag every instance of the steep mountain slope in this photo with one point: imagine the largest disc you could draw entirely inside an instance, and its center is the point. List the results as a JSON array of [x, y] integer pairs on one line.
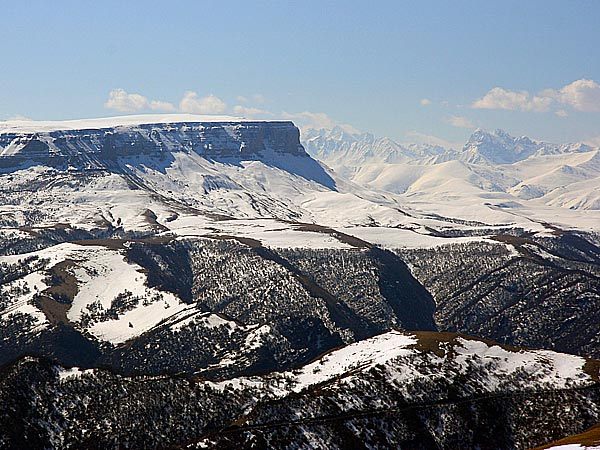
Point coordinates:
[[395, 389], [133, 301], [538, 292], [347, 152]]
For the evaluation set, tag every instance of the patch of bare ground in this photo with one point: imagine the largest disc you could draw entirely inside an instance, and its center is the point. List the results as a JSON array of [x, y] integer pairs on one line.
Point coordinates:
[[56, 300], [513, 240], [55, 312], [119, 244], [592, 368], [518, 242], [152, 219], [112, 244], [342, 237], [64, 284], [252, 243], [589, 438], [34, 230], [432, 341]]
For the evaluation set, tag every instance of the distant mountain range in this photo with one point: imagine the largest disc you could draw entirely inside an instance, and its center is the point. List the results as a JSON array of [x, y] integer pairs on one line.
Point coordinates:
[[491, 165], [498, 147]]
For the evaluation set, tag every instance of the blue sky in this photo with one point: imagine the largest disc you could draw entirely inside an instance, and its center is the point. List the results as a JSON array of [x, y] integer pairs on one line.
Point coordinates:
[[407, 70]]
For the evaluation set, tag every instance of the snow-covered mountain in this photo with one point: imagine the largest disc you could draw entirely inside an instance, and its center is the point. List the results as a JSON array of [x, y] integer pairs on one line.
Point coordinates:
[[491, 166], [347, 152], [114, 174], [498, 147], [219, 249]]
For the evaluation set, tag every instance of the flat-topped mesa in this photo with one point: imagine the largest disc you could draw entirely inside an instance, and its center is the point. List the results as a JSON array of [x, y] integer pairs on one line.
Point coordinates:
[[99, 142]]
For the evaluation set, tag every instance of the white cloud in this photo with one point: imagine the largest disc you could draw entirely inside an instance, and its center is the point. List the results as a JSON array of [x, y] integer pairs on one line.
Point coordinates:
[[317, 120], [311, 119], [415, 136], [256, 98], [192, 103], [425, 102], [248, 111], [123, 101], [460, 122], [499, 98], [580, 95]]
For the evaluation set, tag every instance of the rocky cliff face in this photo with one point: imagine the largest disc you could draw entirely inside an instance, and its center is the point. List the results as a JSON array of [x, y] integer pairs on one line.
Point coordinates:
[[93, 148]]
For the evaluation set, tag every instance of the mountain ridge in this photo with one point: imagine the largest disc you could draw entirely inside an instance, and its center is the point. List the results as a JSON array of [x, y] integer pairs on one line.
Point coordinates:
[[322, 144], [490, 165], [403, 382]]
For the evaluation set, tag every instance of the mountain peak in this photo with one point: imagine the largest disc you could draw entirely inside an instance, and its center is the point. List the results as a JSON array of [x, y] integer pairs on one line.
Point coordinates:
[[500, 147], [481, 134]]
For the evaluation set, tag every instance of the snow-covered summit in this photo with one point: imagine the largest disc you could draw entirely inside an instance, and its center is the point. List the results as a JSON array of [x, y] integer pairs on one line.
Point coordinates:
[[337, 145], [337, 148], [499, 147], [491, 165]]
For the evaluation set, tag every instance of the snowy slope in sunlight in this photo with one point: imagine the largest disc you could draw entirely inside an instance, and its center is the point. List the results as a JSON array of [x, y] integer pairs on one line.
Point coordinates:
[[492, 167], [396, 351], [110, 291]]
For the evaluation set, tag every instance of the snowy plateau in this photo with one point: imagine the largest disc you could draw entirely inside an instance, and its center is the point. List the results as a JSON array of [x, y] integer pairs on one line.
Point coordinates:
[[181, 281]]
